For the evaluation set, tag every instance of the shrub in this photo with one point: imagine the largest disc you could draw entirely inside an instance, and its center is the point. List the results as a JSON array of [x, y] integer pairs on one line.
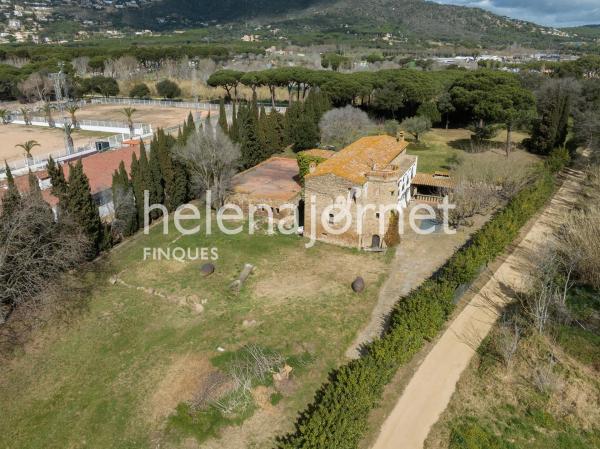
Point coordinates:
[[140, 90], [304, 161], [168, 89], [558, 158]]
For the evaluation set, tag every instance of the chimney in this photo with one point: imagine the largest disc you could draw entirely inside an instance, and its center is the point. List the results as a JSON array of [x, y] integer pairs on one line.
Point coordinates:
[[400, 137]]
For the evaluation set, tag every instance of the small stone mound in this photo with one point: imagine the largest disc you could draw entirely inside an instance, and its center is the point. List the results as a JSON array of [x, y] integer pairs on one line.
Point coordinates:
[[207, 269], [358, 286]]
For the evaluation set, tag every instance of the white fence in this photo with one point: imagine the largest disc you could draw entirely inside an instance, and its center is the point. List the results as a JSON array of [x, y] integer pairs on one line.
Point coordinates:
[[204, 105], [106, 126], [39, 162]]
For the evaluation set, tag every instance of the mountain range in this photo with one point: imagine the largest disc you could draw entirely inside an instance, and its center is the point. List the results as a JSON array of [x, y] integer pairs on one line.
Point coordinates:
[[410, 20]]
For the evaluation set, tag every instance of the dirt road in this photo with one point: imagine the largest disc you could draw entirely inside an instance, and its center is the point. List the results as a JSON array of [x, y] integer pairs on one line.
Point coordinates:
[[429, 391]]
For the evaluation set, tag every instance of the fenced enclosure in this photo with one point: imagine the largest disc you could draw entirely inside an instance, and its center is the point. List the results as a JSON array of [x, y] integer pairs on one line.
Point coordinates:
[[201, 105]]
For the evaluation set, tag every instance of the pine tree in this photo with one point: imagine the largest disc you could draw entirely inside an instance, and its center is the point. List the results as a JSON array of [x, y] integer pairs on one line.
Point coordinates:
[[223, 117], [82, 207], [12, 198]]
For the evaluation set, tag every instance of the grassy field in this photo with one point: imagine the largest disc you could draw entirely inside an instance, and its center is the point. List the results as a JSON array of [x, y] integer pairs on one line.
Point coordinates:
[[113, 375], [503, 407], [442, 149]]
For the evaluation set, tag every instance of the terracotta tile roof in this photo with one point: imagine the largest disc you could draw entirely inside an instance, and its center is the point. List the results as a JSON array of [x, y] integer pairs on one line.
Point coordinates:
[[429, 180], [100, 167], [354, 161], [275, 179], [325, 154]]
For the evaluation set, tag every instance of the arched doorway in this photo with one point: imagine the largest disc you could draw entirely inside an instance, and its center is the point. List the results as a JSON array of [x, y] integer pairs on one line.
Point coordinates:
[[375, 242]]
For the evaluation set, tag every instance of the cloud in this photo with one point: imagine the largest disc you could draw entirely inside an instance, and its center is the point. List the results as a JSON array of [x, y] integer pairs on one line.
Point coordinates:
[[559, 13]]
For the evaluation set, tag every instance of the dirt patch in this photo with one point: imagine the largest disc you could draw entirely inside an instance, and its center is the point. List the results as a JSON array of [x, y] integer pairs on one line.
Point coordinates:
[[50, 140], [335, 270], [158, 117], [182, 380]]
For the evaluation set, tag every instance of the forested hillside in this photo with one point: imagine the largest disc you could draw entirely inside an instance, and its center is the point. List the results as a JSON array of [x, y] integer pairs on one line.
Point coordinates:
[[314, 21]]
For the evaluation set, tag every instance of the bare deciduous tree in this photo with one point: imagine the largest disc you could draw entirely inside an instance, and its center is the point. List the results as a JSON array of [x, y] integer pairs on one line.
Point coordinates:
[[80, 65], [340, 127], [212, 160], [484, 182], [550, 283], [34, 251], [36, 87], [507, 340]]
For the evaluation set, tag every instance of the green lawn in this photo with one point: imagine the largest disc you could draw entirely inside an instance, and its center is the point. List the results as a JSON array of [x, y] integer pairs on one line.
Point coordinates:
[[113, 375], [441, 149]]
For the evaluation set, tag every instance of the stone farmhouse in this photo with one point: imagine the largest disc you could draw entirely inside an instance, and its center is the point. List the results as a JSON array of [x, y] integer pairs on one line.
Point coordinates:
[[364, 184]]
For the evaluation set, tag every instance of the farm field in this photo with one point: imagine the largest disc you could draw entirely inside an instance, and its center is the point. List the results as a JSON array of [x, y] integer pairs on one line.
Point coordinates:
[[441, 149], [115, 375], [50, 140], [158, 117]]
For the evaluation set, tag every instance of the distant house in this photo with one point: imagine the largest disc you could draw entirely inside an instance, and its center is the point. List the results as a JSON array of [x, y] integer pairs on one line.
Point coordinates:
[[372, 174]]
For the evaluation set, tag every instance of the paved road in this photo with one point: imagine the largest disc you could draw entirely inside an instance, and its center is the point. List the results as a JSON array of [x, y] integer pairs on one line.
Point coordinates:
[[429, 391]]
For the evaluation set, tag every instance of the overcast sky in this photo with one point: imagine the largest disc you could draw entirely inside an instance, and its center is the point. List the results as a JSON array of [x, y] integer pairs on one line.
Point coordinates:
[[558, 13]]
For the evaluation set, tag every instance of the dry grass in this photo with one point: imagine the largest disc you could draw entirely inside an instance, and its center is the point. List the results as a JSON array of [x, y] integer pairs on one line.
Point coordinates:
[[114, 372], [493, 393], [443, 149]]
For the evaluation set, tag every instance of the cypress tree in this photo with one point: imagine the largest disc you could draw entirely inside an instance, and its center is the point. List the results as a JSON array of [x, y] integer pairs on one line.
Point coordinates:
[[12, 198], [155, 178], [83, 208], [208, 122], [223, 117], [58, 181], [137, 184], [126, 213], [190, 122], [34, 185], [251, 146], [234, 129]]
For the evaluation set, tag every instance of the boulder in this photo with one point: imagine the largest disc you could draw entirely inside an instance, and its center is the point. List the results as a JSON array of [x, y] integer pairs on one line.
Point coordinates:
[[207, 269], [358, 285], [198, 308]]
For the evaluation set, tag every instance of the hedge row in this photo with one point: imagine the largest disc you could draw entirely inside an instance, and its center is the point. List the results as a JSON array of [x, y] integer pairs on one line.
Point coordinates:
[[338, 416]]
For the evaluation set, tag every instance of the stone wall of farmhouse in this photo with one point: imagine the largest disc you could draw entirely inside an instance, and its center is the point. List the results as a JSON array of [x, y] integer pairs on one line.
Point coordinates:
[[279, 208], [372, 201]]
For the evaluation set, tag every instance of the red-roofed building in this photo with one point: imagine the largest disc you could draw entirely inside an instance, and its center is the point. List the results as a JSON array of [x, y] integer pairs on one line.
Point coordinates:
[[99, 169]]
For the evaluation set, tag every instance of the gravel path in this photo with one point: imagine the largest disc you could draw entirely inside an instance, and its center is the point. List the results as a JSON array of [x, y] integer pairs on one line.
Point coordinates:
[[429, 391], [416, 259]]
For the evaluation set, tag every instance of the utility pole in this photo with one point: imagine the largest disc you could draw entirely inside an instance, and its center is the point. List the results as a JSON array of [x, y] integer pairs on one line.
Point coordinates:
[[194, 66], [60, 92]]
